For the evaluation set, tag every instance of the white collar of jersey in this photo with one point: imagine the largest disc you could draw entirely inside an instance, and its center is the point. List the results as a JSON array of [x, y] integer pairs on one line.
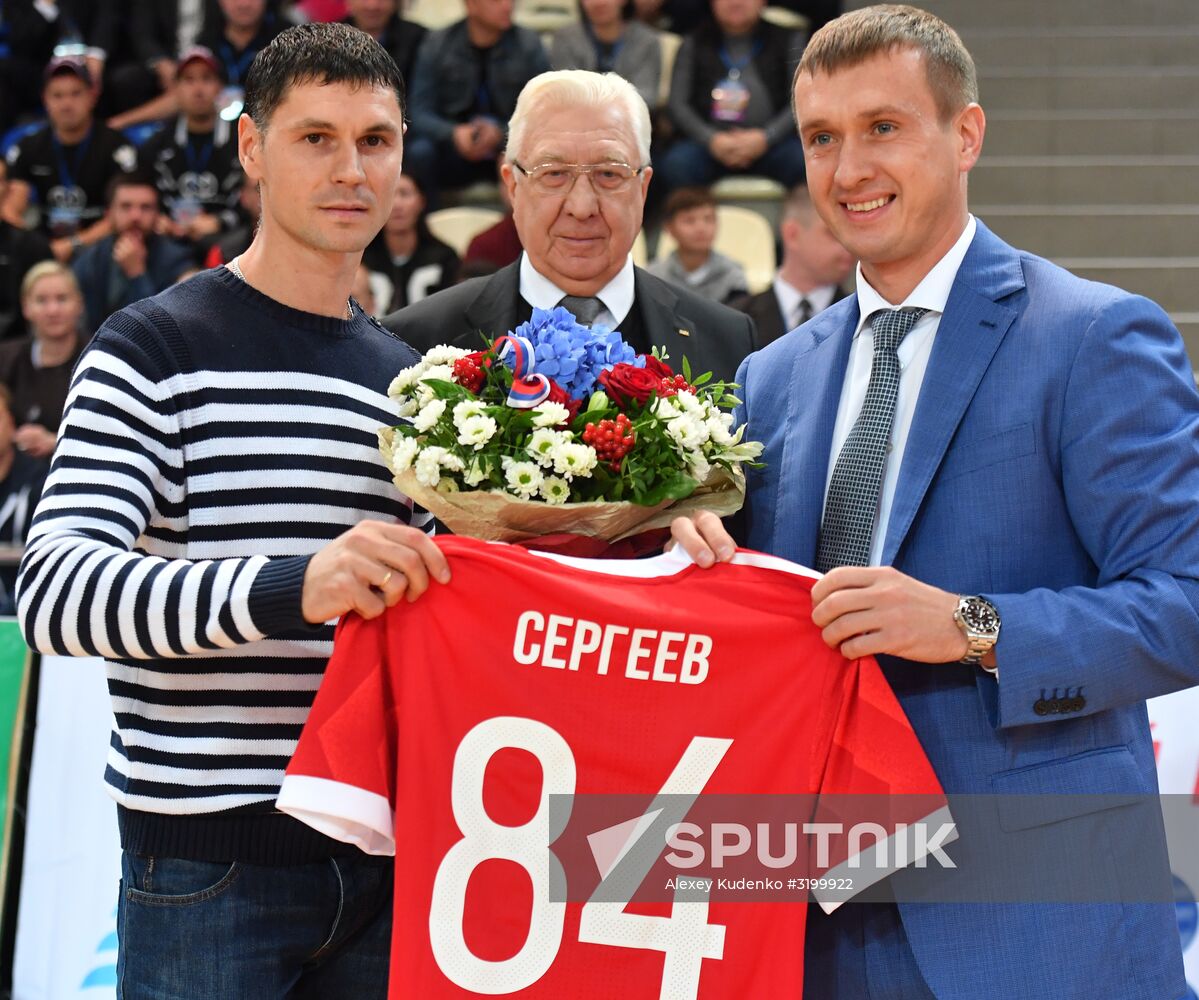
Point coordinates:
[[933, 291], [541, 293], [669, 563]]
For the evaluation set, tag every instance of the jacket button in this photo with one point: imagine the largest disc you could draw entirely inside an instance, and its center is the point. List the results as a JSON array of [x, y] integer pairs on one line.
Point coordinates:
[[1041, 707]]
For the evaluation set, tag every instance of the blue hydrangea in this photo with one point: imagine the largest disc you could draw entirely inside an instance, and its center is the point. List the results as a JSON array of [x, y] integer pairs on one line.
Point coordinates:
[[571, 354]]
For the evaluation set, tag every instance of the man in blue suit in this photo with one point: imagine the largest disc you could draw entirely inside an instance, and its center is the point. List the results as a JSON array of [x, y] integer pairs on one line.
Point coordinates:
[[997, 465]]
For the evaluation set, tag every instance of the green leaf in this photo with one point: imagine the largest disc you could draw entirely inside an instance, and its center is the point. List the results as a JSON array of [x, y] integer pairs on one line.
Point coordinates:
[[704, 378], [678, 486], [686, 369], [447, 390]]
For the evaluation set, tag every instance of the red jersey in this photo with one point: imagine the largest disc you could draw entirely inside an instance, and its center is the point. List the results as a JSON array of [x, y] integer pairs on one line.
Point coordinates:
[[445, 729]]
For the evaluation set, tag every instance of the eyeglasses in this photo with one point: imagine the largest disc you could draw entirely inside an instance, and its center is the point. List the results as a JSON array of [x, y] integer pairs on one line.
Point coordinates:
[[559, 178]]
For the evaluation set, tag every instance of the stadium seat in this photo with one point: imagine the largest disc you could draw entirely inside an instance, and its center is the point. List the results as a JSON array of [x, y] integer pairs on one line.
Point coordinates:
[[545, 16], [640, 250], [744, 235], [669, 43], [784, 18], [435, 14], [458, 226]]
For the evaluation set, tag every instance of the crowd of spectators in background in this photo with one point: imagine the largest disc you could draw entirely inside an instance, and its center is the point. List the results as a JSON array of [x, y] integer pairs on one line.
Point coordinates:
[[120, 172]]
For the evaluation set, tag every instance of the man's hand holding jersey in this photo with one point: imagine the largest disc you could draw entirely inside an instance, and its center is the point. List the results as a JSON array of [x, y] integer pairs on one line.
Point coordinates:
[[861, 610], [368, 569]]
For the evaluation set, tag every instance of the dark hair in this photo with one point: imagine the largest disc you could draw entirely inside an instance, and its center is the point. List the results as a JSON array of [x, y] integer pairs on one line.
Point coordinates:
[[423, 233], [686, 198], [321, 52], [130, 178], [852, 38]]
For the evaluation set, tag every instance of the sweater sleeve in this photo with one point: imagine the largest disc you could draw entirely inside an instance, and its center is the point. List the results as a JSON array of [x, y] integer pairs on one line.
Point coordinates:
[[422, 94], [685, 117], [86, 586]]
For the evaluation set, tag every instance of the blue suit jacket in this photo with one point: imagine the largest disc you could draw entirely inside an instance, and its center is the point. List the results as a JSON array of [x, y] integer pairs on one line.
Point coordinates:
[[1053, 466]]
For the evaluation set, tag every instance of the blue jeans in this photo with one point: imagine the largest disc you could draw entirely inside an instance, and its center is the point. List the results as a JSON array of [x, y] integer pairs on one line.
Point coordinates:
[[194, 930], [689, 163]]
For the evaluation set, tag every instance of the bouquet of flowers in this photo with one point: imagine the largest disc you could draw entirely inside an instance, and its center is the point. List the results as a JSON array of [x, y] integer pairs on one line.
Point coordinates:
[[559, 427]]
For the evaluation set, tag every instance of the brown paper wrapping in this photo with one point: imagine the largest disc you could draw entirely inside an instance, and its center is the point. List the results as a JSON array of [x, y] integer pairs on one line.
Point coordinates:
[[500, 517]]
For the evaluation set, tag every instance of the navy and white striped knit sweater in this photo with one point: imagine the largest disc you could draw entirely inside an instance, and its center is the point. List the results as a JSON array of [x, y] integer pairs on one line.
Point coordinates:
[[213, 440]]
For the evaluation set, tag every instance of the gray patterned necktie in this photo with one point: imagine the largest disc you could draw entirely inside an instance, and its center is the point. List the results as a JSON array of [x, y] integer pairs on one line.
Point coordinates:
[[852, 502], [584, 309]]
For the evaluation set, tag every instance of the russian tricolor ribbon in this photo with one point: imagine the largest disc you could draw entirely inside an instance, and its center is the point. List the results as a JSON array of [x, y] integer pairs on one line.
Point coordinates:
[[516, 353], [528, 391], [528, 388]]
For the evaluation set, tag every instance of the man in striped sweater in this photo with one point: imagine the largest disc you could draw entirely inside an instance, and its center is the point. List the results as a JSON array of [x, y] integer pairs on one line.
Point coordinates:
[[216, 496]]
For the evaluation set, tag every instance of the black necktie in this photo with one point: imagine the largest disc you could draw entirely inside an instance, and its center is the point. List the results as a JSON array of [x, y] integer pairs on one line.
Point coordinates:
[[851, 506], [803, 312]]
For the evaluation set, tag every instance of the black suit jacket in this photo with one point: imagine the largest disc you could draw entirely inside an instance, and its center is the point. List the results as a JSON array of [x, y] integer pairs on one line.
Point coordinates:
[[712, 337], [769, 323]]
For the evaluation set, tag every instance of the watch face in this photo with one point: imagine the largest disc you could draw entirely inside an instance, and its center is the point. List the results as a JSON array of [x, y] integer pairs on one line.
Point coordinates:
[[980, 616]]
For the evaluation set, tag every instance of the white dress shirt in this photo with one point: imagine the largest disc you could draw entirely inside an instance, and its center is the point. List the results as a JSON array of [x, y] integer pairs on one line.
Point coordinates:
[[789, 298], [616, 296], [932, 293]]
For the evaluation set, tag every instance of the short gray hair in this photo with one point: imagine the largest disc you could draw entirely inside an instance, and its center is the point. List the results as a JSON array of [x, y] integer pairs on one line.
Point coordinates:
[[578, 88]]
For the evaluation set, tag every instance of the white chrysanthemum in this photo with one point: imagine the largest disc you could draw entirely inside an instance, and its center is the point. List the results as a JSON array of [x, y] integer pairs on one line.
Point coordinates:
[[524, 478], [466, 409], [549, 414], [475, 473], [443, 373], [407, 409], [474, 432], [687, 431], [428, 467], [543, 442], [429, 414], [406, 380], [555, 490], [573, 459], [443, 354], [403, 453]]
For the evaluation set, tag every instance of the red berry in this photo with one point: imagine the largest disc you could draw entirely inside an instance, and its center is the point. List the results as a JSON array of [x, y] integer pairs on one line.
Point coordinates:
[[468, 373]]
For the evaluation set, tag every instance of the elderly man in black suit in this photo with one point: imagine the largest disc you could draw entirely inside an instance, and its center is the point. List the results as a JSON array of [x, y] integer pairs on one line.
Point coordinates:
[[810, 279], [577, 170]]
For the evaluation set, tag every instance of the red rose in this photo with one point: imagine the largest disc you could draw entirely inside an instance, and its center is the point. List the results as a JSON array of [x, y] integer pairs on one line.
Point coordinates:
[[627, 384], [560, 395], [657, 366]]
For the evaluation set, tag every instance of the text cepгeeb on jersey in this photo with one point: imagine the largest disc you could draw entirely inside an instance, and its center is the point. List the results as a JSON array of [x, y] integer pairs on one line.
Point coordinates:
[[643, 654]]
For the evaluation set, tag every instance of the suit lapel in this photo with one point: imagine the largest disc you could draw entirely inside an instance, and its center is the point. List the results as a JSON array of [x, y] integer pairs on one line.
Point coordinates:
[[664, 327], [493, 310], [811, 415], [971, 330]]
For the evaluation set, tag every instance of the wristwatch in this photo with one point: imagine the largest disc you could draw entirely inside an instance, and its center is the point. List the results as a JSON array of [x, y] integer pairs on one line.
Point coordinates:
[[979, 621]]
